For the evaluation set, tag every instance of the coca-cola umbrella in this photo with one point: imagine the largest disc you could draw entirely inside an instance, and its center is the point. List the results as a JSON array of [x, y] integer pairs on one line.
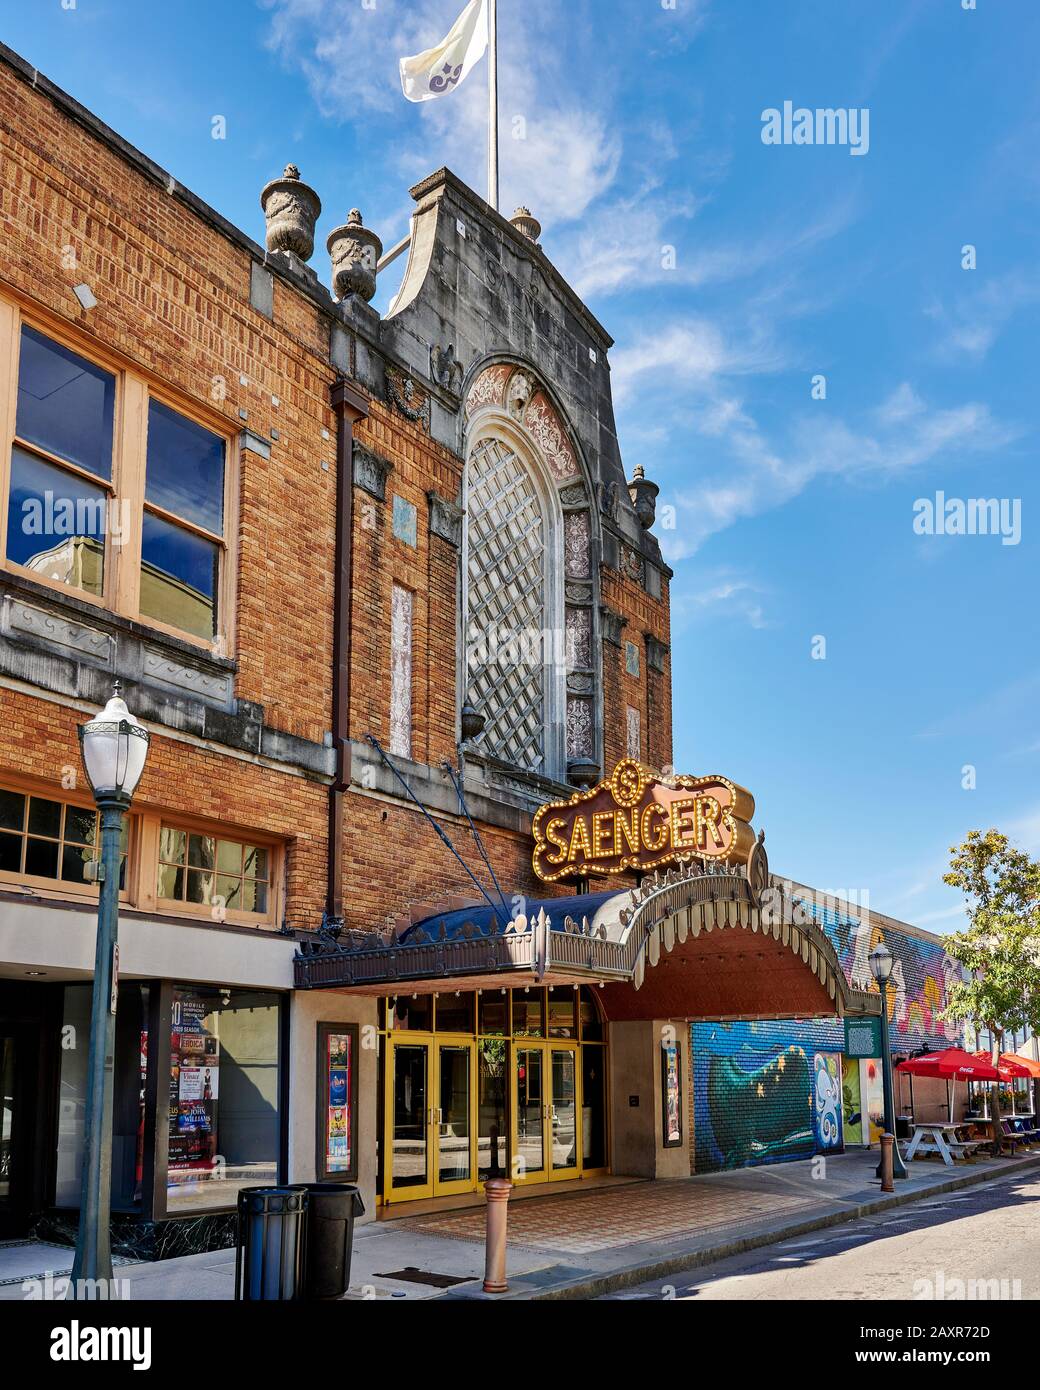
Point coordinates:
[[953, 1064], [1012, 1067]]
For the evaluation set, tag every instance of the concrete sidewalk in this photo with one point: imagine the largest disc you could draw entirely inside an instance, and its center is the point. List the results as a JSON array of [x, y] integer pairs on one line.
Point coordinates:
[[578, 1245]]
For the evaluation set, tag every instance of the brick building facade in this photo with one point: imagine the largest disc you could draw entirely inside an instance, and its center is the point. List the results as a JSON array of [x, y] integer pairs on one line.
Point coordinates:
[[344, 565]]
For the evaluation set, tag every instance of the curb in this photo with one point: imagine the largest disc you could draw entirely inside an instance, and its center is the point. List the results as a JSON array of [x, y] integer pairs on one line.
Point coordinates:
[[625, 1277]]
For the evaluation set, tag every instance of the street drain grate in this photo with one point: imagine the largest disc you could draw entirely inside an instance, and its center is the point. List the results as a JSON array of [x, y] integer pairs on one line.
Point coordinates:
[[411, 1275]]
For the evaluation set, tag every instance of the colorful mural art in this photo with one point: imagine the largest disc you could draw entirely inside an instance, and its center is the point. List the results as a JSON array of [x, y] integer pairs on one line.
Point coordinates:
[[851, 1105], [755, 1090], [775, 1090], [921, 976], [827, 1098]]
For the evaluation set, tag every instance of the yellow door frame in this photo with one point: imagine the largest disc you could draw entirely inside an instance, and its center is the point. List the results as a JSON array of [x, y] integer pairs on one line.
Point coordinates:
[[432, 1187], [545, 1047]]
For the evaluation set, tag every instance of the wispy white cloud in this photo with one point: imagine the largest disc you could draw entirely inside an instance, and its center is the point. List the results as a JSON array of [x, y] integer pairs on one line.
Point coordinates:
[[561, 147], [969, 327], [733, 597]]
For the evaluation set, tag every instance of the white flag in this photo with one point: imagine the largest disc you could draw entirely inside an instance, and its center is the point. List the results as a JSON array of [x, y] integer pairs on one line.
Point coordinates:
[[442, 68]]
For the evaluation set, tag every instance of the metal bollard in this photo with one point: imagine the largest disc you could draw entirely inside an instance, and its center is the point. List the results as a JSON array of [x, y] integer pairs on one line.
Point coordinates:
[[887, 1145], [497, 1190]]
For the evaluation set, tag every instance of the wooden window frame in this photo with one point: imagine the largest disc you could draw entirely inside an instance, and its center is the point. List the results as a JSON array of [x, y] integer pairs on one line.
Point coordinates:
[[63, 888], [149, 899], [134, 389]]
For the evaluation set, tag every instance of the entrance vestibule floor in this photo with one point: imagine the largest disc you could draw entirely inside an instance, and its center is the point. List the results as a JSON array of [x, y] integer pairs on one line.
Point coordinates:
[[608, 1218], [396, 1211]]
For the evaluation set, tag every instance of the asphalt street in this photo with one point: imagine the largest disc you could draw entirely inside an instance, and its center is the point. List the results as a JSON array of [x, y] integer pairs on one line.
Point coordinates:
[[978, 1243]]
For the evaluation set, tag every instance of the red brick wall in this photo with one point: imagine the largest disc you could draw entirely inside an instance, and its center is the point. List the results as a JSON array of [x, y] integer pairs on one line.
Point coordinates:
[[173, 305]]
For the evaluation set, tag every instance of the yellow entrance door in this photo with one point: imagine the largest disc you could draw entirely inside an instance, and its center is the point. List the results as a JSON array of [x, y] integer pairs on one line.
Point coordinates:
[[564, 1112], [546, 1106], [430, 1107]]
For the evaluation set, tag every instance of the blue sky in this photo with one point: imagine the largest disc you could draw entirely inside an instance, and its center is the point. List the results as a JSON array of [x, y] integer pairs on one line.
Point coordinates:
[[793, 517]]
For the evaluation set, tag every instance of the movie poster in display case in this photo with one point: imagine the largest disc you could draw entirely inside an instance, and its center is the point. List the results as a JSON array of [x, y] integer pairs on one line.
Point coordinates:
[[337, 1101]]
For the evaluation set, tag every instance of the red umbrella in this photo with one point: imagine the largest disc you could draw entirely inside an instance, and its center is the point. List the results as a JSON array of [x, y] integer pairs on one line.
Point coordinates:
[[952, 1065], [1011, 1066]]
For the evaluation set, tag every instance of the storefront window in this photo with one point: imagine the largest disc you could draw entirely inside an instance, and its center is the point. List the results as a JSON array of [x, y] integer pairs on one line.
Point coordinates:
[[224, 1092], [561, 1012], [527, 1014], [591, 1023], [414, 1012], [492, 1115], [454, 1013], [493, 1014], [131, 1065]]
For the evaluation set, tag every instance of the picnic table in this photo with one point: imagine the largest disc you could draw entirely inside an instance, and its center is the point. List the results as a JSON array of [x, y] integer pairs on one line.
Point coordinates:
[[942, 1138]]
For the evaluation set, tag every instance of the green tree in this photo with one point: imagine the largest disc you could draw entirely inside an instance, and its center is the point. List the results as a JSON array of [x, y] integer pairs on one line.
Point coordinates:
[[1000, 949]]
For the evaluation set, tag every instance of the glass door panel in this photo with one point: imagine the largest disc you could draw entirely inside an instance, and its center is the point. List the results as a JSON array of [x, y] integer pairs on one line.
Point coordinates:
[[454, 1118], [6, 1114], [563, 1113], [530, 1111], [593, 1107], [492, 1113], [408, 1107]]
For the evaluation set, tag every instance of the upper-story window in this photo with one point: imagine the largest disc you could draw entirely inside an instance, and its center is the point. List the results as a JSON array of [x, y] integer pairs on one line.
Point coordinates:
[[50, 841], [112, 491], [61, 465], [515, 643]]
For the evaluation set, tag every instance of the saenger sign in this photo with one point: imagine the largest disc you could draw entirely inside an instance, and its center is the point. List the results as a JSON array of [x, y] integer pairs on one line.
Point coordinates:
[[639, 820]]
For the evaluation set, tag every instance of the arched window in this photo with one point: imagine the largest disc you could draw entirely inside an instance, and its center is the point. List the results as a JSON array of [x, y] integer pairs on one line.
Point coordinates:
[[530, 649], [513, 633]]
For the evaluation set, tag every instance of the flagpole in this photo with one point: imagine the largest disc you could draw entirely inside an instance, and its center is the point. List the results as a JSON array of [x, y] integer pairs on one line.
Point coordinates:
[[492, 18]]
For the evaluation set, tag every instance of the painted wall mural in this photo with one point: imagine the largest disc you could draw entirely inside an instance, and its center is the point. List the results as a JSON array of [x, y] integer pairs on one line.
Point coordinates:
[[851, 1103], [922, 974], [774, 1090], [827, 1097], [755, 1090]]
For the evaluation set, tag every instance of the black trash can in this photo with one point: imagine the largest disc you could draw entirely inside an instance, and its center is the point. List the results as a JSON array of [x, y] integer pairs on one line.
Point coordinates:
[[271, 1232], [332, 1208]]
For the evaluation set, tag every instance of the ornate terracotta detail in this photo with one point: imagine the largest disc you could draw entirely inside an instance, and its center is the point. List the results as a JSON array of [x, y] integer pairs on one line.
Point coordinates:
[[488, 389], [445, 368], [521, 389], [355, 251], [291, 208], [545, 427], [406, 396], [576, 544]]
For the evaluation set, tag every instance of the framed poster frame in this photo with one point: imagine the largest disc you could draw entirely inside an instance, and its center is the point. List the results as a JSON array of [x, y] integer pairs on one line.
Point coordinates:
[[671, 1084], [323, 1102]]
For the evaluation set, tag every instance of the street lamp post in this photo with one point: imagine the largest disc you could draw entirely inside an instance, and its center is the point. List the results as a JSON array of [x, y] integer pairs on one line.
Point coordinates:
[[880, 960], [113, 747]]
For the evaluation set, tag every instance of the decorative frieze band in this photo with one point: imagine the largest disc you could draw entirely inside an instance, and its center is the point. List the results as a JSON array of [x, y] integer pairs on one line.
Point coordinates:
[[611, 625], [370, 472], [656, 652], [445, 519]]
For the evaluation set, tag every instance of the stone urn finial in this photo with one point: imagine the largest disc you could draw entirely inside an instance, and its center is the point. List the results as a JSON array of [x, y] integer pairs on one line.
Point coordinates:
[[291, 208], [355, 252], [526, 225], [644, 497]]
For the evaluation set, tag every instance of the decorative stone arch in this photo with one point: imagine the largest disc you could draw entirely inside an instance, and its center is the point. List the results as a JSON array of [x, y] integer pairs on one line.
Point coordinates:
[[507, 401], [712, 946]]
